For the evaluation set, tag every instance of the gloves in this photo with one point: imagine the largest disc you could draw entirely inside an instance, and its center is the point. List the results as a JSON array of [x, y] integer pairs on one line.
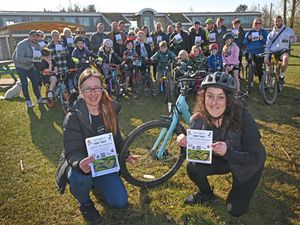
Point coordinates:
[[75, 60]]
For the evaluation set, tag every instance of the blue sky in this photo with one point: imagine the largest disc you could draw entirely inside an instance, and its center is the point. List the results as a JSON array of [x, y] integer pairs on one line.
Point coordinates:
[[136, 5]]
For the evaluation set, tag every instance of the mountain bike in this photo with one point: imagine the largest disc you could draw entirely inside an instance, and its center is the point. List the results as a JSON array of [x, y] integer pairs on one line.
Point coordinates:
[[250, 69], [270, 85], [61, 94], [155, 143], [110, 73]]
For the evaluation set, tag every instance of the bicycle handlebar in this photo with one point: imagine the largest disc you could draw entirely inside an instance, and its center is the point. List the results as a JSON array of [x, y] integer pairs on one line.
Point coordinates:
[[281, 51]]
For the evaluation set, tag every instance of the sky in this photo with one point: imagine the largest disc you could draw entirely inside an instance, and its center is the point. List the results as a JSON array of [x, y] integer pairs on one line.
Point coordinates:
[[136, 5]]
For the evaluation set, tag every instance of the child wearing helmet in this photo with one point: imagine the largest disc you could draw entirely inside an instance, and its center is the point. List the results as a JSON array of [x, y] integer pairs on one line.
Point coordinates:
[[80, 56], [236, 145], [109, 56], [214, 60], [230, 56]]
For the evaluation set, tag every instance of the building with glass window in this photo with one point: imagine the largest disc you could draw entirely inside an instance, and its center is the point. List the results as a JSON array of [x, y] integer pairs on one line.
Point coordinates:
[[146, 17]]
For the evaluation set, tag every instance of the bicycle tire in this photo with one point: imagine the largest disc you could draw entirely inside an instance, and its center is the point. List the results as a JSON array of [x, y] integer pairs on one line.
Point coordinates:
[[50, 103], [280, 86], [148, 171], [65, 101], [117, 89], [250, 73], [269, 88]]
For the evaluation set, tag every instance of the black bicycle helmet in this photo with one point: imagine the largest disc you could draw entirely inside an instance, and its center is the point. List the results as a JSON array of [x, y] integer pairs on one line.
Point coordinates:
[[227, 36], [78, 38], [219, 79]]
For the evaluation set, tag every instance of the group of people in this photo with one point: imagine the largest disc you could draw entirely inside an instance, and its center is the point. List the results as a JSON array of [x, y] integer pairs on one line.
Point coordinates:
[[237, 148], [209, 48]]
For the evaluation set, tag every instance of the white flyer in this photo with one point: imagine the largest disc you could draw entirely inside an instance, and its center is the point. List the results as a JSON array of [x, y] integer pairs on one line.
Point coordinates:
[[118, 37], [36, 56], [255, 36], [150, 40], [158, 39], [102, 148], [42, 43], [59, 49], [198, 40], [199, 146], [212, 37], [70, 41], [178, 38], [235, 33]]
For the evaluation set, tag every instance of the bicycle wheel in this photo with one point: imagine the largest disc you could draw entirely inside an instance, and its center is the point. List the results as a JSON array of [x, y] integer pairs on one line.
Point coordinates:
[[269, 87], [50, 102], [249, 74], [117, 89], [147, 84], [148, 171], [64, 98]]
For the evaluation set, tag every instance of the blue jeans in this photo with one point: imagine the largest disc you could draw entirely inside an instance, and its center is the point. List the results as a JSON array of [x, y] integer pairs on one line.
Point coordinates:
[[110, 187], [33, 76]]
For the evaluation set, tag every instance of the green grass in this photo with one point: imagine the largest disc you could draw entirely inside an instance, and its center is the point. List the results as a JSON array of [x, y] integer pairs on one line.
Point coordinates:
[[35, 137]]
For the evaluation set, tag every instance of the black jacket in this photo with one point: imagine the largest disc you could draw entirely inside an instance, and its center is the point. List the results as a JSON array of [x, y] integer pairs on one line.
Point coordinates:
[[77, 128], [245, 153], [184, 45], [193, 34]]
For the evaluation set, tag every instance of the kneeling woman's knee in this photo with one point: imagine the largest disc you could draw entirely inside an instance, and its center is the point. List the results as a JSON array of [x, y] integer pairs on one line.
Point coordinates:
[[119, 202]]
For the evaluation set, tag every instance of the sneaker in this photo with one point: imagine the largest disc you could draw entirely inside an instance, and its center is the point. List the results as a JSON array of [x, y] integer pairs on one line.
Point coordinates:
[[50, 94], [41, 101], [281, 80], [90, 213], [29, 104], [281, 75], [199, 198]]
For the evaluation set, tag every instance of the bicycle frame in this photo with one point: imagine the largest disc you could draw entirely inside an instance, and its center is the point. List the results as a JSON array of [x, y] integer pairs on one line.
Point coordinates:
[[181, 108]]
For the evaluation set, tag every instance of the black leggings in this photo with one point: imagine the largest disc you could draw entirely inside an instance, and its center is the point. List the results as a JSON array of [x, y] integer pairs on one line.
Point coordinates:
[[238, 199]]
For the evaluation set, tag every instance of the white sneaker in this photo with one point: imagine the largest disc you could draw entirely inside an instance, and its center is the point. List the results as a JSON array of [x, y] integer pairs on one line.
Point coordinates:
[[41, 101], [50, 94], [281, 75], [29, 104]]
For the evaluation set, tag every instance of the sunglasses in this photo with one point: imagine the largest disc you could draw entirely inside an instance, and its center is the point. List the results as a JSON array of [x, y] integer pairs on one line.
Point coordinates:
[[257, 23]]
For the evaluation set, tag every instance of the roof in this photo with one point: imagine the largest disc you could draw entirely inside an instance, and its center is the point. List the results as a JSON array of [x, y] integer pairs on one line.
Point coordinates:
[[46, 26], [111, 17], [178, 17]]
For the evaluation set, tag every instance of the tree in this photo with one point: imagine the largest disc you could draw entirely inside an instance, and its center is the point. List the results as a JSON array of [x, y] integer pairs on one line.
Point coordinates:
[[284, 10], [241, 8], [295, 3], [89, 8]]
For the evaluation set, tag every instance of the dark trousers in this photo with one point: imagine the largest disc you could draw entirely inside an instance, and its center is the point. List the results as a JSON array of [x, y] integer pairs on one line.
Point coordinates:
[[259, 62], [239, 197], [34, 77]]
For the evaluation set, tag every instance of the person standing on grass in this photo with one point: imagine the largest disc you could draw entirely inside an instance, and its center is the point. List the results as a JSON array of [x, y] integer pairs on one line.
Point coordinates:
[[236, 147], [26, 54]]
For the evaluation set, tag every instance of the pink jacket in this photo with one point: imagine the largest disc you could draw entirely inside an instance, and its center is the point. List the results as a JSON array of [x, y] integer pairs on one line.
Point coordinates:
[[232, 55]]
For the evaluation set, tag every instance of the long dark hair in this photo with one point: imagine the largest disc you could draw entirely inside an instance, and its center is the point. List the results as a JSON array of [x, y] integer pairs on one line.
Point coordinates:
[[231, 119], [106, 106]]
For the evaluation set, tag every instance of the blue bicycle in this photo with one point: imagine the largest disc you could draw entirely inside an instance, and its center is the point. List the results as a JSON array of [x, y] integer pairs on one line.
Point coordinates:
[[155, 143]]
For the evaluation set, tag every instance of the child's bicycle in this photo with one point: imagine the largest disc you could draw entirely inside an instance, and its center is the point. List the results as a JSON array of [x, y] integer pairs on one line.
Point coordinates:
[[270, 85], [166, 84], [146, 83], [112, 80], [60, 94], [155, 143]]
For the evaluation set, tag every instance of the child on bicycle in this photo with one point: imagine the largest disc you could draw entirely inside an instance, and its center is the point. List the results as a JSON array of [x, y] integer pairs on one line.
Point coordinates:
[[163, 57], [48, 69], [128, 58], [197, 59], [214, 60], [143, 51], [109, 56], [80, 57], [230, 56], [183, 63]]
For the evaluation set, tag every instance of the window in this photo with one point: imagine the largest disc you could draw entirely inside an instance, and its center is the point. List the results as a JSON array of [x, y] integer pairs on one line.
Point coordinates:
[[147, 22], [84, 21], [70, 19]]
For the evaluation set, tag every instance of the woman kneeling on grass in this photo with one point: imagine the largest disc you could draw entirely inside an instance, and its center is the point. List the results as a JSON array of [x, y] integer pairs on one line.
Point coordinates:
[[94, 114], [236, 144]]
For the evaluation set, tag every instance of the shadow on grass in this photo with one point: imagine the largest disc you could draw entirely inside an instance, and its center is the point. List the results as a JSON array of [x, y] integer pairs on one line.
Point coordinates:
[[131, 215], [45, 131]]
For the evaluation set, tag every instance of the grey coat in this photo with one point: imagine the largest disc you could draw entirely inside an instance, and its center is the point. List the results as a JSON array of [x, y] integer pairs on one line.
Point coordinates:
[[23, 54]]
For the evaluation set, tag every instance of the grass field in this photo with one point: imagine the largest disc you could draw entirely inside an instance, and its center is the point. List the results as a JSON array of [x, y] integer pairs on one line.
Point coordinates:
[[34, 138]]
